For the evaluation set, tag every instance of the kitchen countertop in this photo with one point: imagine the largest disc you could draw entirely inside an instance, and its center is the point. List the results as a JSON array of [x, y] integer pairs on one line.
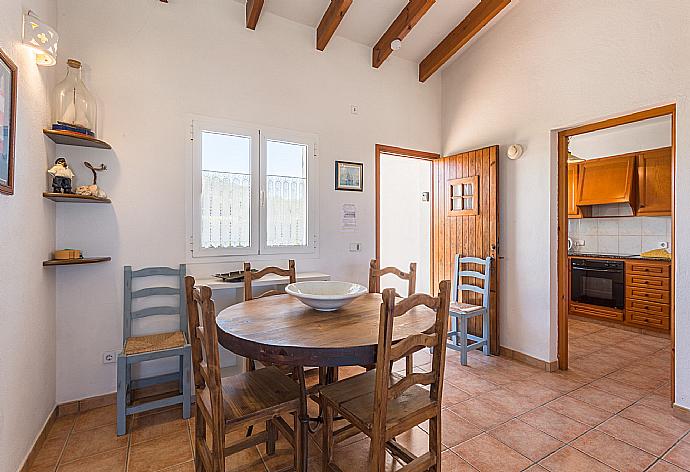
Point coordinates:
[[616, 256]]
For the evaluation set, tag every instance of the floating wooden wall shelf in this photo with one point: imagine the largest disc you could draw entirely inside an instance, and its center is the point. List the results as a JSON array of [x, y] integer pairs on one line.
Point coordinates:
[[84, 260], [74, 198], [75, 139]]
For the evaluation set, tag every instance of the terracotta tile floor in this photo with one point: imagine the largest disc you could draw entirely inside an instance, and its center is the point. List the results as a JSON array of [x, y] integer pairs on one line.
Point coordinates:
[[609, 412]]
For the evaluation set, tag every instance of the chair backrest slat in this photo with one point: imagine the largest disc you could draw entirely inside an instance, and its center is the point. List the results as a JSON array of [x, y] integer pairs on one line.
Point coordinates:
[[151, 291], [204, 340], [250, 276], [155, 311], [151, 271], [375, 274], [460, 276], [435, 336], [140, 295]]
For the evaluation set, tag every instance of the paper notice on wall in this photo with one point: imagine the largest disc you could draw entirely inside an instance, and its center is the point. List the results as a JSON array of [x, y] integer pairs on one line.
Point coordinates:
[[349, 223]]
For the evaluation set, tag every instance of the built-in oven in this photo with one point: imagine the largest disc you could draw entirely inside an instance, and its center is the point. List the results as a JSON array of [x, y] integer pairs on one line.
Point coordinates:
[[598, 282]]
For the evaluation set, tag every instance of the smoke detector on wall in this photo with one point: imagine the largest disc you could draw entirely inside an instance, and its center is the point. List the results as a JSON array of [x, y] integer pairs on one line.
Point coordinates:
[[515, 152]]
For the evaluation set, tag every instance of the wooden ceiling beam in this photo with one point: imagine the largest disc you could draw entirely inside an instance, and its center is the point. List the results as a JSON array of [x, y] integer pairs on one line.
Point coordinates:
[[253, 12], [331, 20], [456, 39], [401, 26]]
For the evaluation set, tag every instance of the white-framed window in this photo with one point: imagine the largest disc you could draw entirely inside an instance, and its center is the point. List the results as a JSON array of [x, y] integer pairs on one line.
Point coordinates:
[[254, 190]]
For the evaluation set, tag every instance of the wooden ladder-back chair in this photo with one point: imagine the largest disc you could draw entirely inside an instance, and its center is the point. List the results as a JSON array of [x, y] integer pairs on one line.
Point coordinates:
[[375, 274], [460, 312], [231, 403], [383, 404], [250, 276], [153, 346]]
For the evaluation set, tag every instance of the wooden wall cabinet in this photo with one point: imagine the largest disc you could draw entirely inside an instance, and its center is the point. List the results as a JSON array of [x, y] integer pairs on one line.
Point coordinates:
[[574, 211], [607, 180], [654, 182]]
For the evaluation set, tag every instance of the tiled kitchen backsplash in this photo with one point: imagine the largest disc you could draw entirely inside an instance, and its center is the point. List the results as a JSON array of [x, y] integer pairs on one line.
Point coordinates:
[[620, 235]]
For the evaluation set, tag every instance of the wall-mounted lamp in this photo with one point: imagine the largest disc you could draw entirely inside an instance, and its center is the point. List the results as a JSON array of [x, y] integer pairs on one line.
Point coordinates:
[[41, 38], [515, 152]]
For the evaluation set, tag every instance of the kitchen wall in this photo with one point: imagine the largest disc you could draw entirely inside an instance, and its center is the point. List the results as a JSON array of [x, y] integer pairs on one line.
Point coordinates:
[[619, 235], [27, 290], [151, 65], [548, 66]]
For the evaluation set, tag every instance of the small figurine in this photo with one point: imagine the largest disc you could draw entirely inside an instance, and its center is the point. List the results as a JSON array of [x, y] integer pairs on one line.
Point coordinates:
[[62, 176]]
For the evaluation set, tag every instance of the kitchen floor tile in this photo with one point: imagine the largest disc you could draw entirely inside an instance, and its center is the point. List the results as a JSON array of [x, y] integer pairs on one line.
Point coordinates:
[[554, 424], [112, 461], [612, 452], [569, 459], [525, 439], [645, 438], [159, 453], [679, 455], [487, 454]]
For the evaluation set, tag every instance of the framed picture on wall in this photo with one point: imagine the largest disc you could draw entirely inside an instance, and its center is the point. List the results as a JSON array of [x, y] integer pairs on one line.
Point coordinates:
[[348, 176], [8, 113]]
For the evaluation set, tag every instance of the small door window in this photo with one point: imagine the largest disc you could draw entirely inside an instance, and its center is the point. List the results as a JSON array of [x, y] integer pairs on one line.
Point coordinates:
[[464, 194]]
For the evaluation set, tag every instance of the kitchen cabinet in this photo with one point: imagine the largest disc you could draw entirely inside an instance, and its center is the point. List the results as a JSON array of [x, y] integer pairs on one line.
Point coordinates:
[[575, 211], [648, 294], [606, 180], [654, 182]]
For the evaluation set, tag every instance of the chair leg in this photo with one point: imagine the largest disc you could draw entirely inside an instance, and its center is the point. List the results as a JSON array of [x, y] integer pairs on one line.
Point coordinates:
[[271, 437], [122, 387], [435, 441], [180, 379], [218, 453], [486, 334], [199, 438], [377, 454], [128, 394], [463, 340], [455, 329], [327, 440], [185, 374]]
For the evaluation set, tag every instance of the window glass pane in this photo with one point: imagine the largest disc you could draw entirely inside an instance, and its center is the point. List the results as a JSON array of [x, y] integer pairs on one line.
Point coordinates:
[[226, 190], [286, 194]]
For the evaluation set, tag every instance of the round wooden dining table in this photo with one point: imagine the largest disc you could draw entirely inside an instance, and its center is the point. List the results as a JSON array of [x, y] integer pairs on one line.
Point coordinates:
[[282, 330]]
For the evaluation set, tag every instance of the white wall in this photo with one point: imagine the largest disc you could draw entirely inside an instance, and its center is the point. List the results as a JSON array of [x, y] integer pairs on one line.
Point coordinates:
[[653, 133], [547, 66], [405, 220], [151, 64], [27, 290]]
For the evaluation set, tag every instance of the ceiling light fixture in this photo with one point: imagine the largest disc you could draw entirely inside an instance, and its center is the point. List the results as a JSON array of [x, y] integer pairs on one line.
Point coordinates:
[[396, 44], [41, 38]]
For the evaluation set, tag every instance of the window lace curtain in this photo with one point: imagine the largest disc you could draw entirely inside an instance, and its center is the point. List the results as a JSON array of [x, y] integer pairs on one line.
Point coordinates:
[[226, 210]]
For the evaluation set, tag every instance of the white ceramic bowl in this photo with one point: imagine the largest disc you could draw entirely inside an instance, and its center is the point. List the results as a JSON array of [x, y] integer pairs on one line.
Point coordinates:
[[325, 295]]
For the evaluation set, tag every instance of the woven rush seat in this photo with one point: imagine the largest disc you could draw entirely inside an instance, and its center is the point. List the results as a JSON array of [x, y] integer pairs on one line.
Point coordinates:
[[354, 398], [154, 342], [459, 307]]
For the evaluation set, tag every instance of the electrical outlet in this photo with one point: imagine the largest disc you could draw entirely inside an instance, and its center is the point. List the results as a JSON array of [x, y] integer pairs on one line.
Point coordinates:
[[110, 357], [579, 242], [354, 109], [355, 247], [663, 244]]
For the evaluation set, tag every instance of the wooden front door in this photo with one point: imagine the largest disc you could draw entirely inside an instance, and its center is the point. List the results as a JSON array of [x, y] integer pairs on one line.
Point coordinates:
[[465, 221]]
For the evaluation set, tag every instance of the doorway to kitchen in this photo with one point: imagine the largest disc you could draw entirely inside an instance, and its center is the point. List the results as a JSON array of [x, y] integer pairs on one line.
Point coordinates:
[[403, 213], [615, 248]]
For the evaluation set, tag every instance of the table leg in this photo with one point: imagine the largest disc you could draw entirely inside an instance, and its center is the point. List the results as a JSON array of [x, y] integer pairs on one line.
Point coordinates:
[[302, 436]]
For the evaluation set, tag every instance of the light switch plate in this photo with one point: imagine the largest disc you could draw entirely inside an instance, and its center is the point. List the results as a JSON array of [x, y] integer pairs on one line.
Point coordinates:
[[355, 247]]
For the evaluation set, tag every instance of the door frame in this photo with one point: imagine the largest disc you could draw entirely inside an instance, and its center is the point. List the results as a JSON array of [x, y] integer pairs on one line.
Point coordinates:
[[412, 154], [563, 296]]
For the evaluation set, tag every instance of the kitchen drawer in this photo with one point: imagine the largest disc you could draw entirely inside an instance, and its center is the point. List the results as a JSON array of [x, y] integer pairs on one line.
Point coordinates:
[[646, 320], [657, 269], [643, 306], [658, 296], [645, 281], [593, 311]]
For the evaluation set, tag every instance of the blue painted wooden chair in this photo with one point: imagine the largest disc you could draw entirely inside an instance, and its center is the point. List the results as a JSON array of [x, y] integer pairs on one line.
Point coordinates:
[[461, 312], [137, 349]]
